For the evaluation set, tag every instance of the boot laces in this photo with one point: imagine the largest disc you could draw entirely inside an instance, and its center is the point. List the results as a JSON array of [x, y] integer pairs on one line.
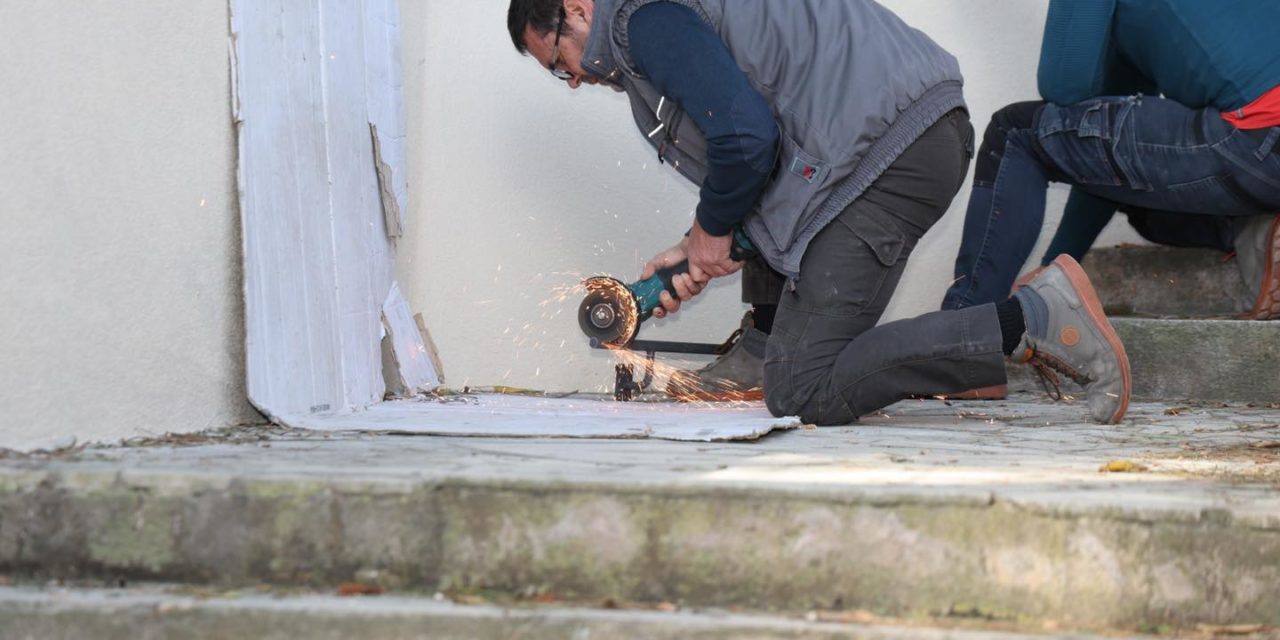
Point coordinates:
[[1047, 369], [728, 344]]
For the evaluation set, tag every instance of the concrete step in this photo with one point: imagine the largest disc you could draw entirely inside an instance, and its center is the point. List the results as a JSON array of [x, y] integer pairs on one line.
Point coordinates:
[[127, 614], [1202, 360], [993, 510], [1167, 282]]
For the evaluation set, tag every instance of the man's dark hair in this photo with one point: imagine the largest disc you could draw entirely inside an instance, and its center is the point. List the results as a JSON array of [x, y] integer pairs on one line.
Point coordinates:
[[542, 15]]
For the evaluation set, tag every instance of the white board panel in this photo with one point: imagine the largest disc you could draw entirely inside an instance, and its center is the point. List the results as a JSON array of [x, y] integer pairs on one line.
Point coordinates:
[[317, 258], [386, 105], [531, 417]]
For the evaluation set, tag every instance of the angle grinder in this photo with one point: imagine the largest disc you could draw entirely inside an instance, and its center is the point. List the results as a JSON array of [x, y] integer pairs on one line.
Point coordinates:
[[612, 310]]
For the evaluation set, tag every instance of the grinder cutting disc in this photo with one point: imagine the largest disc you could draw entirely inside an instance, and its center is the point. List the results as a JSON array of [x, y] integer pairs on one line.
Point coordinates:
[[609, 312]]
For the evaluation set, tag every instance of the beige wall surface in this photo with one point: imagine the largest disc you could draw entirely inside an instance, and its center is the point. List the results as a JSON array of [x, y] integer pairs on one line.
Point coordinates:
[[122, 309], [517, 185]]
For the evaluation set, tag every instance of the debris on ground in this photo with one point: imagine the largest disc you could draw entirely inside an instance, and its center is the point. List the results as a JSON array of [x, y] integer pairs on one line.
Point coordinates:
[[1230, 629], [1122, 466], [856, 616], [348, 589]]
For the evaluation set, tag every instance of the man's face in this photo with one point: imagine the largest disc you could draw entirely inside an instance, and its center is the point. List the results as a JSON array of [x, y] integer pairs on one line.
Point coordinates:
[[568, 55]]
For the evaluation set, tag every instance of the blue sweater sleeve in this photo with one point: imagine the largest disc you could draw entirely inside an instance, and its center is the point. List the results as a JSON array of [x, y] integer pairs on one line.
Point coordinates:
[[685, 60]]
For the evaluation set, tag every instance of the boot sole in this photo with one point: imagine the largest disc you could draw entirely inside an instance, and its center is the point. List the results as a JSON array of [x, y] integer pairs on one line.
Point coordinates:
[[1268, 305], [1084, 289], [995, 392], [718, 396]]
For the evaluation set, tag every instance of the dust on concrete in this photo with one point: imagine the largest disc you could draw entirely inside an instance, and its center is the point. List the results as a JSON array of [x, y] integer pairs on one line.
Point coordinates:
[[257, 434]]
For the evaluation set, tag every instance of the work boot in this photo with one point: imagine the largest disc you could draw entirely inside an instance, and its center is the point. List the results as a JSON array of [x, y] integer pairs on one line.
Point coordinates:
[[736, 374], [1067, 333], [995, 392], [1258, 254]]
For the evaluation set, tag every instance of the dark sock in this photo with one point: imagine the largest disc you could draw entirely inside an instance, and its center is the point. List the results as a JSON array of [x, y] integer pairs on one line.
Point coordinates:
[[1012, 324], [762, 315]]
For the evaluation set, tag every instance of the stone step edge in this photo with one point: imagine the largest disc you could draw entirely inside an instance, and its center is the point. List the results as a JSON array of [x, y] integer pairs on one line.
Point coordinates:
[[1160, 281], [728, 548], [143, 611], [1235, 360]]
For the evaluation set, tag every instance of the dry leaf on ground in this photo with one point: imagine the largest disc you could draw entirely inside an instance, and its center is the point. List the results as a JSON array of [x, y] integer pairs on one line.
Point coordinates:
[[1122, 466], [348, 589]]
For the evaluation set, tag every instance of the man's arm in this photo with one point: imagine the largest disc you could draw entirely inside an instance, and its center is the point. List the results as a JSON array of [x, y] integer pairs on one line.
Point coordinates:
[[688, 63]]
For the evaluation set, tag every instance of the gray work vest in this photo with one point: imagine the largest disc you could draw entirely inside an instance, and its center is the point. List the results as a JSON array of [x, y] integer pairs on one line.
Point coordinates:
[[849, 83]]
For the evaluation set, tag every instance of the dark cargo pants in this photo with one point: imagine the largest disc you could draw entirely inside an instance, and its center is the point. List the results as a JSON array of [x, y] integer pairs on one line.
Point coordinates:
[[826, 360]]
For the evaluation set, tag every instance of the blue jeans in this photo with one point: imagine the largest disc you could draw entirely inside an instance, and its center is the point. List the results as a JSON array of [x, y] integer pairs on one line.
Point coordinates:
[[1146, 155]]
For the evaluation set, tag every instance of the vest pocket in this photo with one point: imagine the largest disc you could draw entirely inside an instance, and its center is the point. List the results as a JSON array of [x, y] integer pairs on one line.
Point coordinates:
[[791, 199]]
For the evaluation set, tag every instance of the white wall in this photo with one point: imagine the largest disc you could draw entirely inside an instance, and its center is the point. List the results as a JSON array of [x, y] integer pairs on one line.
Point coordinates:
[[518, 185], [119, 244]]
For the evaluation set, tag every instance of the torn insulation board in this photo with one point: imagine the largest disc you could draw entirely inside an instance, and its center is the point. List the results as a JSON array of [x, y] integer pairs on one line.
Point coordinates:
[[413, 364], [310, 77], [432, 351], [391, 212], [528, 417], [386, 107]]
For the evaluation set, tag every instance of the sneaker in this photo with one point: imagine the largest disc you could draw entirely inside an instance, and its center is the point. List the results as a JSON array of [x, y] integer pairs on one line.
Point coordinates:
[[1024, 279], [736, 374], [1258, 254], [1068, 334]]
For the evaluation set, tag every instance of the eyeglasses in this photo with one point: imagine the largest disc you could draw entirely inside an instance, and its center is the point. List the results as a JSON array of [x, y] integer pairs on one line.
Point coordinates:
[[560, 74]]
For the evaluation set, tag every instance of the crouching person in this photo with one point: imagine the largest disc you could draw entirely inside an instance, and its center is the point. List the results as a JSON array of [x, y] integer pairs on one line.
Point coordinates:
[[836, 160], [1167, 110]]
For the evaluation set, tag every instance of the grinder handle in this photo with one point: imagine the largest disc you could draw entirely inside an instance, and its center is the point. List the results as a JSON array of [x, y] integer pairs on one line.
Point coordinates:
[[647, 292]]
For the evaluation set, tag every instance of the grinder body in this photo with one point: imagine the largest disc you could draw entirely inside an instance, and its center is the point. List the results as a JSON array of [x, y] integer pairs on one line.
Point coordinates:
[[612, 311]]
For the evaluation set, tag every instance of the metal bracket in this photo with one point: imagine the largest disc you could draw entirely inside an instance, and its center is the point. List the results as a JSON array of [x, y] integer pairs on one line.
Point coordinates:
[[625, 387]]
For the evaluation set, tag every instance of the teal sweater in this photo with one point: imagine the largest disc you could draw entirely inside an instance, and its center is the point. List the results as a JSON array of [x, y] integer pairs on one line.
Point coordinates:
[[1221, 54], [1203, 53]]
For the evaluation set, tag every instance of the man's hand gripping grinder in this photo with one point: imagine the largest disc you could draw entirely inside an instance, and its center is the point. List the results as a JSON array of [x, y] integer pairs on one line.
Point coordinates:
[[612, 311]]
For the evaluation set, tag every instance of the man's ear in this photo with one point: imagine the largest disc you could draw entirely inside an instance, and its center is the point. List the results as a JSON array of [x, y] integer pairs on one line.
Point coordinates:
[[582, 9]]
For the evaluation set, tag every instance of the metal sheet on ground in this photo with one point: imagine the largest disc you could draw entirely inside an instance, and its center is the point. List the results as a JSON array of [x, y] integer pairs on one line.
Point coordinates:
[[535, 417]]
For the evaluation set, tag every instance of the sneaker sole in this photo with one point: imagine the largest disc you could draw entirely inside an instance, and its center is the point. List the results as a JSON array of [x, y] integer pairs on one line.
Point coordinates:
[[1084, 289], [1268, 305]]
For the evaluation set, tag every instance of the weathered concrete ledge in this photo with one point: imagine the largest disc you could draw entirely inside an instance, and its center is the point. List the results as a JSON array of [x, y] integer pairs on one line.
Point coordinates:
[[1211, 360], [1165, 281], [126, 615], [764, 550]]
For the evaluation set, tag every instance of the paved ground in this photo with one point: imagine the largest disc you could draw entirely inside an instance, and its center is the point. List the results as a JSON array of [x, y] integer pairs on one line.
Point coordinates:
[[1010, 509], [173, 613], [1181, 458]]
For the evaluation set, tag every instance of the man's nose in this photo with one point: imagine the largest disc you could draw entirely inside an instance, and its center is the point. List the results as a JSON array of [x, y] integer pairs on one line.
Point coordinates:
[[575, 82]]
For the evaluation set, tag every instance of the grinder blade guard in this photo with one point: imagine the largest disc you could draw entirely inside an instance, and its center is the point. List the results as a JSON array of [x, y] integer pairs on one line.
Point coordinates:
[[609, 314]]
